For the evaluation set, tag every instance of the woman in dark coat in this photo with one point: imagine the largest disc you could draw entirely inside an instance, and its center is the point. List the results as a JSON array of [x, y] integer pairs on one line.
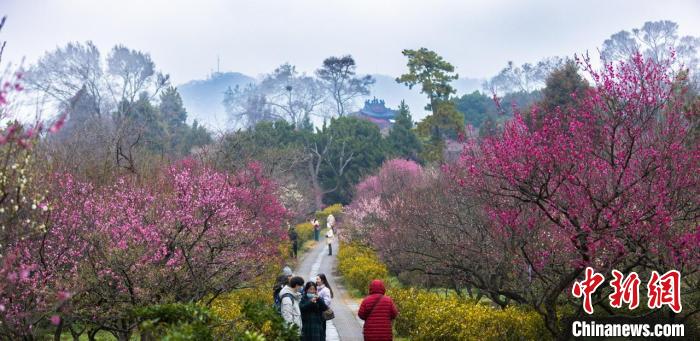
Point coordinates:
[[378, 311], [312, 307]]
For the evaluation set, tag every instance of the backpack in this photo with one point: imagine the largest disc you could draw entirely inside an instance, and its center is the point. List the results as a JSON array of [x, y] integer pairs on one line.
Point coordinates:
[[278, 301]]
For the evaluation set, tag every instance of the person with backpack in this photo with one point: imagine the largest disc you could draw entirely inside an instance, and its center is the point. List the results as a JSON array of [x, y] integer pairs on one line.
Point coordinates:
[[290, 296], [312, 307], [280, 282], [378, 311]]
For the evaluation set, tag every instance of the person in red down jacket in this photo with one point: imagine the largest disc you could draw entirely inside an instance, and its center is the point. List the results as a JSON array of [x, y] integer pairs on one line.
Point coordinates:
[[378, 311]]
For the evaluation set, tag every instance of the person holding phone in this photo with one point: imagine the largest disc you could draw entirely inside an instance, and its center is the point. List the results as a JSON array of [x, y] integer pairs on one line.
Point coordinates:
[[312, 307]]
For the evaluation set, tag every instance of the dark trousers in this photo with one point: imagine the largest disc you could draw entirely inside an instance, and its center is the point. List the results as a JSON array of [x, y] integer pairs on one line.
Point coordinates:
[[294, 249], [330, 249]]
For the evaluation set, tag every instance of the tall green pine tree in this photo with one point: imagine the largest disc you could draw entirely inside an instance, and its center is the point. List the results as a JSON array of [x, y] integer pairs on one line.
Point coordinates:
[[402, 141]]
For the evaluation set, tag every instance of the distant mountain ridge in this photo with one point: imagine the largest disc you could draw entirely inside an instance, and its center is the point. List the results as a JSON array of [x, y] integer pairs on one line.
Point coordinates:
[[203, 98]]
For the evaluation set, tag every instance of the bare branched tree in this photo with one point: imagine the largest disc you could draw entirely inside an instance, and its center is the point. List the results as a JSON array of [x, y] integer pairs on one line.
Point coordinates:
[[284, 94], [338, 78]]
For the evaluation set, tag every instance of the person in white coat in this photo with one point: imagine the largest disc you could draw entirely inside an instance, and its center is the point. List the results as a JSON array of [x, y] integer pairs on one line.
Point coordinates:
[[290, 296], [330, 222], [324, 292], [324, 289], [329, 240]]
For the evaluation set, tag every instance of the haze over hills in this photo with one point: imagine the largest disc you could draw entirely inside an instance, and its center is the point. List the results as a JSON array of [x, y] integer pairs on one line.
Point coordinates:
[[203, 98]]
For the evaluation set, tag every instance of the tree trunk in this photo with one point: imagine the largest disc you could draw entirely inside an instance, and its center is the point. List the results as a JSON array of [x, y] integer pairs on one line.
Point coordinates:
[[92, 333], [59, 331], [146, 336], [125, 333], [469, 290], [457, 288], [318, 199], [75, 333], [123, 336], [551, 321], [316, 186]]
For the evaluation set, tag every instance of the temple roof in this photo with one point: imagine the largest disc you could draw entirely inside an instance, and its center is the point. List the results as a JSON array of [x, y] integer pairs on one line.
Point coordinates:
[[377, 109]]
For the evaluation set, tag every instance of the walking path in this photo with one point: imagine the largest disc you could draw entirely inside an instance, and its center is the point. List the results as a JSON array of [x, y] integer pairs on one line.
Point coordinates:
[[345, 326]]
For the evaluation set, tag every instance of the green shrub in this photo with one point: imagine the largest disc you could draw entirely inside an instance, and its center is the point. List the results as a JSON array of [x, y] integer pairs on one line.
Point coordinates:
[[262, 318], [427, 315], [175, 321], [254, 336]]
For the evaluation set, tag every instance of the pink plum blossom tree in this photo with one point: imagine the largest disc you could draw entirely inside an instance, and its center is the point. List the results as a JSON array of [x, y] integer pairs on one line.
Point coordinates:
[[611, 183]]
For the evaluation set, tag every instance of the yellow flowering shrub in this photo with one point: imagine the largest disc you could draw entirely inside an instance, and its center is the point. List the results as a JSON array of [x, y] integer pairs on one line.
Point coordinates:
[[425, 315], [305, 231], [359, 265], [348, 253], [363, 272], [229, 306], [336, 210], [250, 311]]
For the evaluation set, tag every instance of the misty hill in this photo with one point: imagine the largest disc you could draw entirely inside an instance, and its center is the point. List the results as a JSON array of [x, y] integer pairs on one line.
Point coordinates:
[[202, 98], [467, 85]]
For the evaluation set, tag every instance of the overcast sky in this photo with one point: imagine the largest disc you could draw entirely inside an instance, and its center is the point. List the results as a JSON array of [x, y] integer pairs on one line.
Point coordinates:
[[184, 38]]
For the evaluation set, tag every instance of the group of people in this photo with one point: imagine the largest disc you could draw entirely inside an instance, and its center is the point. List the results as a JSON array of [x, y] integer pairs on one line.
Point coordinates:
[[308, 305]]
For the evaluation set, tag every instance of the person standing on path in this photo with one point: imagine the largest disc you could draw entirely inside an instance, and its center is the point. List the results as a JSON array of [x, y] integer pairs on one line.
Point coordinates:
[[317, 228], [280, 282], [325, 292], [312, 307], [324, 289], [293, 236], [330, 222], [291, 296], [378, 311], [329, 240]]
